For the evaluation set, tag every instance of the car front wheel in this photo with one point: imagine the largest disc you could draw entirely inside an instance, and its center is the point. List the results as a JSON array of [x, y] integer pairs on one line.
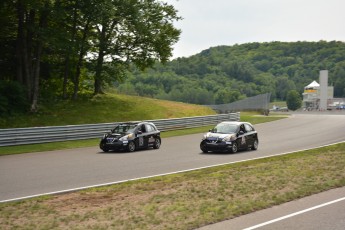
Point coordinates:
[[203, 147], [102, 146], [234, 147], [157, 143], [131, 147]]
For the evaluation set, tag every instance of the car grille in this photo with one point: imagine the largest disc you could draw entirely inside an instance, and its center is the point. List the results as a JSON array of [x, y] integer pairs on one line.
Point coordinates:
[[214, 140], [112, 140]]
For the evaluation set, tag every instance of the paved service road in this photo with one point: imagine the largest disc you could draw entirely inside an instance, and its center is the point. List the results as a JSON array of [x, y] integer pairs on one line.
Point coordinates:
[[46, 172], [325, 210]]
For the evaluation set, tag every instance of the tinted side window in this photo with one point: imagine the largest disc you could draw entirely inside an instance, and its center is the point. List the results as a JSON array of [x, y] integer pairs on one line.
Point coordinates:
[[142, 128], [243, 129]]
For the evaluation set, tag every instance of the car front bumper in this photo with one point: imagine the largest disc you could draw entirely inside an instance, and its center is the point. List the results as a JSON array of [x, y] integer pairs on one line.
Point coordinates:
[[112, 144], [217, 146]]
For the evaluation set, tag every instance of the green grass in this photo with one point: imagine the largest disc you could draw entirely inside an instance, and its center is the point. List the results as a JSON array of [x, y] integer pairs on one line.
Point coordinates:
[[103, 109], [186, 200], [8, 150]]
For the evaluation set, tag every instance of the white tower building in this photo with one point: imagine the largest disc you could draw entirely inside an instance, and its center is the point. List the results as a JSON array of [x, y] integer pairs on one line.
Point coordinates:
[[323, 89], [318, 96]]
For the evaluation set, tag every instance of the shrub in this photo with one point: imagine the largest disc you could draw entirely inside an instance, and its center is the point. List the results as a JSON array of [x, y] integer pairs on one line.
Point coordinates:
[[293, 100], [12, 98]]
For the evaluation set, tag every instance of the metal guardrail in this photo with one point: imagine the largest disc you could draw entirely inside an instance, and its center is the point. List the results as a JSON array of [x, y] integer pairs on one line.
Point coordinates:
[[35, 135], [259, 102]]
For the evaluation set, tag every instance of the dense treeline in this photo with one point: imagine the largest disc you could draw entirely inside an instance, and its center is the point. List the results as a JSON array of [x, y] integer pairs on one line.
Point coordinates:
[[61, 48], [228, 73]]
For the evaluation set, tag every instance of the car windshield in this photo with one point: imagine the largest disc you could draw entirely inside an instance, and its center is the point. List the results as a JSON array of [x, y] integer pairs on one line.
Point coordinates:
[[124, 128], [225, 128]]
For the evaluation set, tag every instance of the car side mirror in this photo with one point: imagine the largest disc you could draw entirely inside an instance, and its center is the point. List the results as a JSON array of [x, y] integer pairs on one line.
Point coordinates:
[[241, 132], [139, 132]]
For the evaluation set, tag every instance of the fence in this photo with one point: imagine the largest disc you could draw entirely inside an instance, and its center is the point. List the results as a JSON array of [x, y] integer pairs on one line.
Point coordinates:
[[259, 102], [21, 136]]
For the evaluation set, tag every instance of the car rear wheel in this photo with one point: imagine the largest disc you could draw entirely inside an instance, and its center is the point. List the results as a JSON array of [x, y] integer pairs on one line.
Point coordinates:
[[203, 147], [157, 143], [255, 145], [234, 148], [131, 147]]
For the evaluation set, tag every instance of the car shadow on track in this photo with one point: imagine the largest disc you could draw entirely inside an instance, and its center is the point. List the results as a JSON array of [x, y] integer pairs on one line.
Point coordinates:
[[221, 153], [125, 152]]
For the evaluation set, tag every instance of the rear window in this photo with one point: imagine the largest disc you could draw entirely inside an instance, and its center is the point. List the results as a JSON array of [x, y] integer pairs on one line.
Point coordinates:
[[248, 128], [150, 128]]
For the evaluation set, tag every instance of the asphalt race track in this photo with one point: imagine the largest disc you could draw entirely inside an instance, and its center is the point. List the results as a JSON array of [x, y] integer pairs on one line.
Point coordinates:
[[32, 174]]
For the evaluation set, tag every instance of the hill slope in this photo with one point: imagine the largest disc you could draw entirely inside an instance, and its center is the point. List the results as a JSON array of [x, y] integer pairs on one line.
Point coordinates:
[[227, 73], [105, 108]]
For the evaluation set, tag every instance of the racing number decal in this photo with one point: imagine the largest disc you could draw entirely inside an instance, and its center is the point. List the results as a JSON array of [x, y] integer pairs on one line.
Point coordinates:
[[243, 141], [141, 141]]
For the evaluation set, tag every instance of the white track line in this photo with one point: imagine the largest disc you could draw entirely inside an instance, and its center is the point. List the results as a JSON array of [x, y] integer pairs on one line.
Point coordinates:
[[164, 174], [294, 214]]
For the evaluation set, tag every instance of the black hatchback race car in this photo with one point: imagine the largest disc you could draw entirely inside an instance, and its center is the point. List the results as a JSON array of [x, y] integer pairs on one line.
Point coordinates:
[[131, 136], [230, 136]]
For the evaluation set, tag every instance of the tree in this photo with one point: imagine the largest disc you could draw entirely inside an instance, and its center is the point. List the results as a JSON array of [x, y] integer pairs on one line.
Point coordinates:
[[284, 85], [338, 79], [138, 32], [32, 22], [225, 96], [293, 100], [12, 98], [71, 33]]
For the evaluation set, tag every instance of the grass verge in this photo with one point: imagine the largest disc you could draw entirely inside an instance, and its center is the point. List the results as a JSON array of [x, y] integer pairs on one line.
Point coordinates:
[[9, 150], [104, 108], [185, 200]]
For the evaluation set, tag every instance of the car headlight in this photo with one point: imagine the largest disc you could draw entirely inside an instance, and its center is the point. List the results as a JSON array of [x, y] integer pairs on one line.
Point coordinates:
[[206, 136], [125, 138], [226, 139], [229, 138]]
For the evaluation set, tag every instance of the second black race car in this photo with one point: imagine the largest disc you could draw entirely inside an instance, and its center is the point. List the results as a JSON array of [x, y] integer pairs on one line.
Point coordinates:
[[131, 136], [230, 136]]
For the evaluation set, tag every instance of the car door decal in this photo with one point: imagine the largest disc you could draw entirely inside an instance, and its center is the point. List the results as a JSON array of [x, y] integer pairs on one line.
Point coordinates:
[[243, 140], [151, 139], [141, 141]]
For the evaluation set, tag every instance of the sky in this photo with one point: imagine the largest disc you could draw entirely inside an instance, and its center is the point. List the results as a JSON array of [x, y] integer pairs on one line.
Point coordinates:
[[210, 23]]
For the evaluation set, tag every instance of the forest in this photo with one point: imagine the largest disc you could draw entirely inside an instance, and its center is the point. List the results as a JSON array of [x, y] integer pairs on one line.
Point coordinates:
[[65, 49], [225, 74]]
